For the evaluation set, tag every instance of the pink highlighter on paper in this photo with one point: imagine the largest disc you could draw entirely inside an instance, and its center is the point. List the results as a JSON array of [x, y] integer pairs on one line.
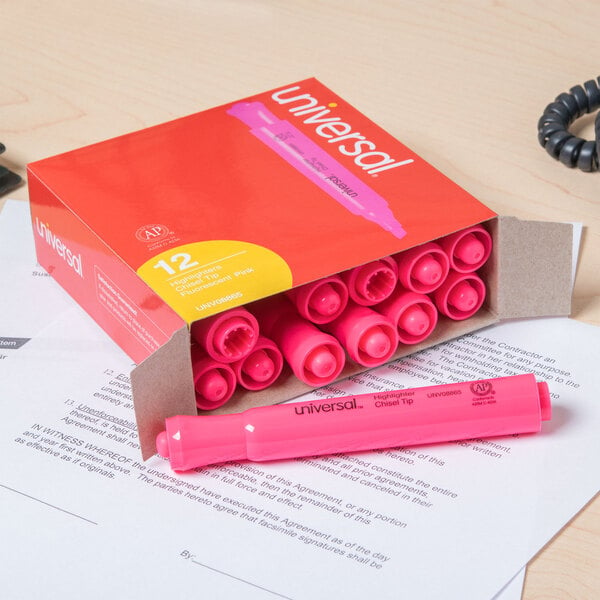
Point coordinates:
[[426, 415]]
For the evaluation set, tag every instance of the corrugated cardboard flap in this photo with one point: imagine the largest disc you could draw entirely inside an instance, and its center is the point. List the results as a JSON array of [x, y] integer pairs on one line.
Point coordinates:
[[534, 269], [162, 387]]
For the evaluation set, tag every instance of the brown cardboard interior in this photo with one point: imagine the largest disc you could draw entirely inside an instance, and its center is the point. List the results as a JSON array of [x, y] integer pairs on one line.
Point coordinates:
[[528, 275], [534, 268], [162, 387]]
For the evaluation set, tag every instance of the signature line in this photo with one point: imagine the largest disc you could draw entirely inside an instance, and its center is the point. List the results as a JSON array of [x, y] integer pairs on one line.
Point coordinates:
[[48, 504], [240, 579]]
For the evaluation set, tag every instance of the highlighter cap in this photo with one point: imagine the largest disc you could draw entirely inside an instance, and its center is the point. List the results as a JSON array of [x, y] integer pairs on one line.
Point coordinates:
[[195, 441], [460, 296], [320, 301], [214, 388], [467, 250], [373, 282], [545, 402], [228, 336], [315, 357], [261, 367], [422, 269], [369, 337], [214, 382], [413, 314]]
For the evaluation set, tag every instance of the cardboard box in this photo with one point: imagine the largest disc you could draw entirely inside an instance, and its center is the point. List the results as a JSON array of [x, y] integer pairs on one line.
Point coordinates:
[[158, 228]]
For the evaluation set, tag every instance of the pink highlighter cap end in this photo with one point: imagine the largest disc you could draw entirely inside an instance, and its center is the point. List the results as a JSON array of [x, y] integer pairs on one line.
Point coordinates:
[[259, 366], [325, 301], [470, 250], [321, 362], [463, 297], [427, 270], [414, 320], [235, 338], [162, 444], [212, 386], [375, 343], [545, 402]]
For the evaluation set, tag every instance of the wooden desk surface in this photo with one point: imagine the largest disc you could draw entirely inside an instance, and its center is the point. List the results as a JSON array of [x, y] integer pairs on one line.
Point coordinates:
[[461, 83]]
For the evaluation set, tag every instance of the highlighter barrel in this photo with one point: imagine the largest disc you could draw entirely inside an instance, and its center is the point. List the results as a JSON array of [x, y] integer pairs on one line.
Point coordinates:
[[485, 408]]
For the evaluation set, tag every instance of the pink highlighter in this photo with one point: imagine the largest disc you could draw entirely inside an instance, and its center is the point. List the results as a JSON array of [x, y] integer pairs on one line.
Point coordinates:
[[414, 315], [468, 249], [318, 166], [320, 301], [427, 415], [422, 269], [261, 368], [460, 296], [372, 283], [214, 382], [369, 337], [228, 336], [315, 357]]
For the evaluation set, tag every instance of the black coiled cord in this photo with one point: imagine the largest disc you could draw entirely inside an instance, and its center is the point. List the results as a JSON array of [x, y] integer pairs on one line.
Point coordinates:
[[553, 133]]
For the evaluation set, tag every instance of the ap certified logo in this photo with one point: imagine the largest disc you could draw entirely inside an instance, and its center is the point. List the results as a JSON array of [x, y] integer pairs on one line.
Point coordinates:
[[482, 388], [152, 233]]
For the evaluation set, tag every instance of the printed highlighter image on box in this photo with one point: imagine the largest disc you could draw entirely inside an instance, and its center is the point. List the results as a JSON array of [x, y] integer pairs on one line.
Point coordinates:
[[209, 283]]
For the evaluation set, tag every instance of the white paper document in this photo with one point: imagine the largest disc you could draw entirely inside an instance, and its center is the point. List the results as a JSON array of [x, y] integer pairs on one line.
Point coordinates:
[[29, 300], [81, 514]]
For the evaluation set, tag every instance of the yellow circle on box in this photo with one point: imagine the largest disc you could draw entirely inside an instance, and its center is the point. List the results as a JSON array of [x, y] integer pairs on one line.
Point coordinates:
[[204, 278]]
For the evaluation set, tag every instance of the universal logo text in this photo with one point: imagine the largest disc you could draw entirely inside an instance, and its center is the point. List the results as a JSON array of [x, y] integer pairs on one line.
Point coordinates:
[[349, 143], [309, 409], [71, 259]]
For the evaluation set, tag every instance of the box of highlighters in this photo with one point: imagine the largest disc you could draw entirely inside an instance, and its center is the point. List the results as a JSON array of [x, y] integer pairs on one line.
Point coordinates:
[[248, 253]]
